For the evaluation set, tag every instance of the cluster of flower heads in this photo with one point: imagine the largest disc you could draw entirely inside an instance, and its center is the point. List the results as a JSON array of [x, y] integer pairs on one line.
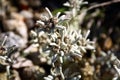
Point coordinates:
[[59, 41]]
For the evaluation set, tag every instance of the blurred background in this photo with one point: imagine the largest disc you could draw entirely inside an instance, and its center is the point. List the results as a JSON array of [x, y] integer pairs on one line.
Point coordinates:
[[18, 18]]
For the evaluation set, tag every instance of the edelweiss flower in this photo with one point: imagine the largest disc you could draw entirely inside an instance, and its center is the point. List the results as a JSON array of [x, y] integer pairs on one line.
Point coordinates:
[[51, 23], [69, 43], [60, 42]]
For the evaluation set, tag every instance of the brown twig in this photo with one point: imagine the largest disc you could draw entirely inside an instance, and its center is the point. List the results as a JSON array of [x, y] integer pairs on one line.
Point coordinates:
[[103, 4]]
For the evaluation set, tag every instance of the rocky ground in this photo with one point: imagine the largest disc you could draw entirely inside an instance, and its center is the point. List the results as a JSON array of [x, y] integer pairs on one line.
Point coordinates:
[[18, 18]]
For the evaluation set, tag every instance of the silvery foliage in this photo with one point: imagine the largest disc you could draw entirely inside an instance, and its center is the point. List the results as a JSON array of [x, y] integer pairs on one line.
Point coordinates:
[[5, 54], [116, 64], [57, 41], [112, 62], [75, 12]]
